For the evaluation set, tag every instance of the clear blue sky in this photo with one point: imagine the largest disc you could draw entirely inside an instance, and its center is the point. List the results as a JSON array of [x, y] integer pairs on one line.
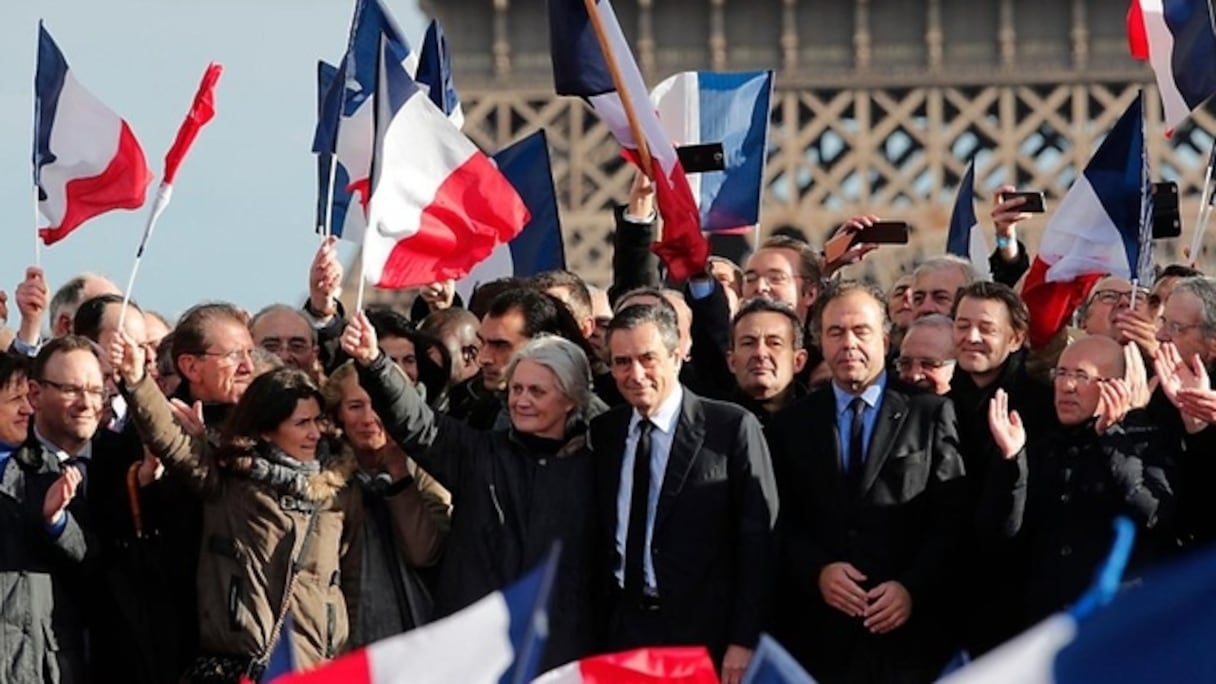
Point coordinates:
[[240, 227]]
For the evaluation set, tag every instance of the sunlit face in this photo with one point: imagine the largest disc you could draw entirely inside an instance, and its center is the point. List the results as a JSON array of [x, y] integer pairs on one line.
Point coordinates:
[[899, 302], [854, 340], [299, 435], [763, 356], [287, 335], [223, 371], [1078, 375], [500, 336], [774, 273], [926, 358], [1182, 324], [133, 325], [1108, 297], [933, 291], [984, 336], [15, 411], [401, 351], [359, 421], [536, 403], [645, 371], [69, 398]]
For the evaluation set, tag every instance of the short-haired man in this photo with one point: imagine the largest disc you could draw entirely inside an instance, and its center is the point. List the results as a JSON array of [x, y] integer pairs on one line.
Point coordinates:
[[688, 568], [573, 292], [899, 305], [1063, 491], [867, 549], [926, 354], [936, 282], [457, 329], [41, 609], [286, 332], [601, 309], [69, 297], [1108, 311], [423, 358], [785, 270], [766, 353]]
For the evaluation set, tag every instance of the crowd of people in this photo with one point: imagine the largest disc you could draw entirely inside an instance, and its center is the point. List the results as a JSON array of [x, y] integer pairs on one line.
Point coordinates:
[[881, 480]]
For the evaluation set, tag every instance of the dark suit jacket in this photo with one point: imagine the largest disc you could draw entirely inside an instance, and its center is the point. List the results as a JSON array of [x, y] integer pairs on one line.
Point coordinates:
[[901, 524], [712, 545]]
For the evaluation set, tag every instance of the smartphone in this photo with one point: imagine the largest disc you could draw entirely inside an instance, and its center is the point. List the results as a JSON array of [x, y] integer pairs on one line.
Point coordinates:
[[883, 233], [1166, 221], [1035, 202], [702, 158]]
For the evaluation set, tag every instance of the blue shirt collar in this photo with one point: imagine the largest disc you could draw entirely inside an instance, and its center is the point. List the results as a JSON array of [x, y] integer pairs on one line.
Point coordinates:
[[871, 395]]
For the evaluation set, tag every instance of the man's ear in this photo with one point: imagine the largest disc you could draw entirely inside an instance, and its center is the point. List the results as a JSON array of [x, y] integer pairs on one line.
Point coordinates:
[[1019, 341], [800, 357], [189, 368], [62, 325]]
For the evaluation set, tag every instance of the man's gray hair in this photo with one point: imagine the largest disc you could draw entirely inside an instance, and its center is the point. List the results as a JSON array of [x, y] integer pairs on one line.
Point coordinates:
[[68, 296], [1204, 288], [663, 316], [939, 321], [947, 261], [565, 360], [284, 308]]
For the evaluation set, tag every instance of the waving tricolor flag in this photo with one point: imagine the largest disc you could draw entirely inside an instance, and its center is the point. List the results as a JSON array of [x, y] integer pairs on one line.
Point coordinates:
[[966, 238], [585, 68], [1178, 38], [435, 72], [346, 126], [670, 665], [438, 205], [86, 159], [1098, 229]]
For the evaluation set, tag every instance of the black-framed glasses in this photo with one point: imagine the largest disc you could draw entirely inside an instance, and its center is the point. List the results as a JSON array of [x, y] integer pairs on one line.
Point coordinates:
[[76, 392], [1114, 297]]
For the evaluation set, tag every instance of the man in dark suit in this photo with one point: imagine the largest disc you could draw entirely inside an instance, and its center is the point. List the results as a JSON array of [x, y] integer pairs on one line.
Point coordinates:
[[692, 554], [870, 479]]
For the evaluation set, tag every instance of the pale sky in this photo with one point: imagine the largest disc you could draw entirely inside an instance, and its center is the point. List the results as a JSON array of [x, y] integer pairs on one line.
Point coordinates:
[[240, 226]]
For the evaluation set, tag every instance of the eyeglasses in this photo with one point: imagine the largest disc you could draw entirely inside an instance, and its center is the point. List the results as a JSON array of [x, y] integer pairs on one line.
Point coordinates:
[[1082, 378], [1174, 328], [777, 278], [234, 356], [1113, 297], [904, 363], [294, 345], [76, 392]]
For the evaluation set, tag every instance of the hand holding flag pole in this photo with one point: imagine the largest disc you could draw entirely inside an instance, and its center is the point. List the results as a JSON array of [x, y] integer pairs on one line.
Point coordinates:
[[202, 110]]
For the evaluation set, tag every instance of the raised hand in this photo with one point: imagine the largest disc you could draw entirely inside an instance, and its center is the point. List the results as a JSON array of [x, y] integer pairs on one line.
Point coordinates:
[[60, 495], [1006, 214], [127, 359], [1138, 328], [32, 298], [325, 278], [1136, 376], [839, 252], [839, 588], [641, 198], [1176, 375], [359, 340], [440, 295], [1007, 429], [1114, 401], [189, 417]]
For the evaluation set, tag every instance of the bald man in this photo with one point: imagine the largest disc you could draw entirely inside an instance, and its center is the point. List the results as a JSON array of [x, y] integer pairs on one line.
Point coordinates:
[[1064, 490]]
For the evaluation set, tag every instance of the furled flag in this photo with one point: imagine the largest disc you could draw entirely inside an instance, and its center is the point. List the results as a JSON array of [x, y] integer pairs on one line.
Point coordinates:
[[346, 125], [772, 664], [1095, 231], [1180, 37], [581, 67], [498, 639], [86, 159], [702, 107], [538, 247], [438, 206], [435, 72], [966, 237], [326, 73], [670, 665]]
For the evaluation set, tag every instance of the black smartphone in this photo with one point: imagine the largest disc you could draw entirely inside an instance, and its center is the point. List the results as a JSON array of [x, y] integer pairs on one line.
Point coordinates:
[[1035, 202], [702, 158], [883, 233], [1166, 221]]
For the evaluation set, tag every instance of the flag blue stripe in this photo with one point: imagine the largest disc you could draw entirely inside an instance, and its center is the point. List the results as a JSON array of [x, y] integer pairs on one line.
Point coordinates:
[[527, 605], [962, 219], [734, 110], [579, 67], [435, 69], [49, 75], [1116, 173], [1193, 59], [526, 165], [326, 73]]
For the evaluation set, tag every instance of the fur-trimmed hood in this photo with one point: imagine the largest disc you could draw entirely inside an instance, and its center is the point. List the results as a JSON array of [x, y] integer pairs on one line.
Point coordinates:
[[316, 481]]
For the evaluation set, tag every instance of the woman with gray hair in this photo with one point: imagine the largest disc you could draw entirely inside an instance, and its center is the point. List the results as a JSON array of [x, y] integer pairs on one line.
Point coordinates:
[[514, 491]]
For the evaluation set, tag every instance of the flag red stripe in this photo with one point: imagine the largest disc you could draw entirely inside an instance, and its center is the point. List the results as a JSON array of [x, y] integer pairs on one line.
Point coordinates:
[[1052, 304], [202, 110], [1137, 35], [681, 665], [474, 209], [354, 667], [123, 184]]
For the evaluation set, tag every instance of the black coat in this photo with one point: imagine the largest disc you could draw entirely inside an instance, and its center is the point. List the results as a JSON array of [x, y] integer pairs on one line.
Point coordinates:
[[512, 498], [1195, 524], [712, 544], [902, 524], [1077, 483]]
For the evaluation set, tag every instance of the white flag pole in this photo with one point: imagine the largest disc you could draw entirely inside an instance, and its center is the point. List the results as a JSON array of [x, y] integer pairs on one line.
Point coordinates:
[[362, 286], [163, 194], [37, 236], [1205, 210], [328, 228]]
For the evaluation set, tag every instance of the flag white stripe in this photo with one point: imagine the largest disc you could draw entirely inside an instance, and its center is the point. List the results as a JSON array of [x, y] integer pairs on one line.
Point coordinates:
[[1081, 239], [84, 140], [1160, 53]]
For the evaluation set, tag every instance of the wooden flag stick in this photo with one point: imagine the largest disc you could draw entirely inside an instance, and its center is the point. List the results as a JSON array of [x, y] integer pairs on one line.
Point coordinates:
[[618, 82]]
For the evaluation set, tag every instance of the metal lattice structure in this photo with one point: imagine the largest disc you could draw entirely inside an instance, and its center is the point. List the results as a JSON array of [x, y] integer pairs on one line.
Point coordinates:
[[879, 106]]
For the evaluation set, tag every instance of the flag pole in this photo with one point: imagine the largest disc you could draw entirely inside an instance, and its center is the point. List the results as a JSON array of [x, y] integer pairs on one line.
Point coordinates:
[[163, 194], [1205, 210], [328, 229], [37, 235], [362, 285], [618, 82]]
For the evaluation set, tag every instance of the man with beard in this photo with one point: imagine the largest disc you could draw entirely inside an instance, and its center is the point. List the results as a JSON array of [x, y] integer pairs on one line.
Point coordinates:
[[871, 498], [926, 354]]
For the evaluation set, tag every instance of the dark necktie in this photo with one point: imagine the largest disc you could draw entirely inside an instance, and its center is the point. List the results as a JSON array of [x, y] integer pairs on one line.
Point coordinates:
[[857, 441], [635, 541]]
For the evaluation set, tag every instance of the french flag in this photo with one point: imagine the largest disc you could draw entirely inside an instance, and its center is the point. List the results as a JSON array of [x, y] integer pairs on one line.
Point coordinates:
[[435, 72], [538, 247], [1178, 38], [86, 159], [1098, 229], [581, 68], [346, 125], [672, 665], [966, 237], [438, 205], [701, 107], [498, 639]]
